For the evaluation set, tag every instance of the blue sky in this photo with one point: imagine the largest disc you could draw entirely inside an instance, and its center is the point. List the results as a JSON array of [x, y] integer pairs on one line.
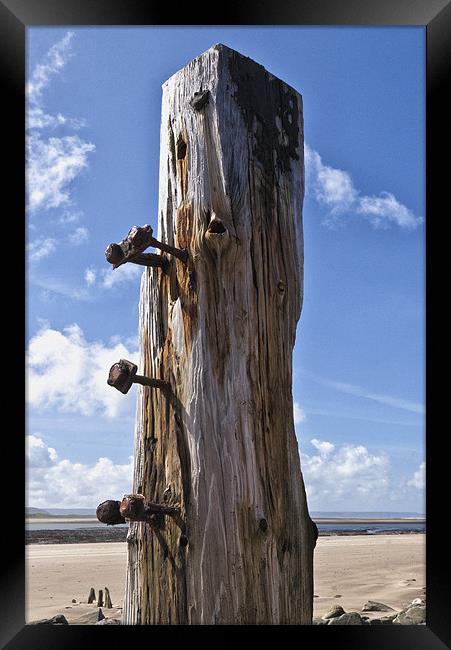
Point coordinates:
[[93, 125]]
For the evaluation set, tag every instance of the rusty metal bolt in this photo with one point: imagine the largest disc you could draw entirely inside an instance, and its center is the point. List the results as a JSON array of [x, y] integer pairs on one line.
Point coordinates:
[[132, 507], [123, 374], [136, 508], [114, 254], [108, 513]]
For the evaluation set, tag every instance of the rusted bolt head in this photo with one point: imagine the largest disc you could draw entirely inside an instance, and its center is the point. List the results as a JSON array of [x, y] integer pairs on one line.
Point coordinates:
[[132, 507], [108, 513], [122, 375], [138, 235], [114, 254]]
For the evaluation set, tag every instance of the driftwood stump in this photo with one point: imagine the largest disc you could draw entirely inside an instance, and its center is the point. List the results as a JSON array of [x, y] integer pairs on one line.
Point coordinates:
[[220, 445]]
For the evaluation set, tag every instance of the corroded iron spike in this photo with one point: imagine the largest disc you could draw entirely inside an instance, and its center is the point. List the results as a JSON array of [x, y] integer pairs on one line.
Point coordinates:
[[179, 253], [151, 259], [137, 240], [108, 513], [114, 254], [132, 507], [123, 374], [135, 508]]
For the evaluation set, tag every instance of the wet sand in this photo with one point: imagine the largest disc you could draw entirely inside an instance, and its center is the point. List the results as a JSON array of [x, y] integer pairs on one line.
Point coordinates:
[[349, 570]]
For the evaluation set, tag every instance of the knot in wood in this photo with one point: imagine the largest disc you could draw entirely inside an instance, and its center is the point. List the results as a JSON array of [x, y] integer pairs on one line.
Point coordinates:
[[216, 236], [281, 287], [200, 99], [263, 525]]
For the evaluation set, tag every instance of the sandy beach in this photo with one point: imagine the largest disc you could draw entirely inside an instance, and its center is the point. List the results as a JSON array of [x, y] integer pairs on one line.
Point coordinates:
[[349, 570]]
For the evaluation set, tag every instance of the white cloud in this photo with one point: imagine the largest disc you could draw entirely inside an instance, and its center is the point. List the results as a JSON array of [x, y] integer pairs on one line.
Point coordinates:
[[63, 483], [358, 391], [419, 478], [90, 276], [52, 63], [324, 447], [37, 119], [298, 413], [346, 474], [51, 166], [386, 208], [53, 163], [124, 273], [335, 189], [110, 278], [40, 248], [38, 454], [332, 187], [70, 217], [79, 236], [68, 373]]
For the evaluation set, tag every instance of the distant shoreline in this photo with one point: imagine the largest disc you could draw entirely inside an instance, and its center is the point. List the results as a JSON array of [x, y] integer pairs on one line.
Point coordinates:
[[79, 519], [111, 534]]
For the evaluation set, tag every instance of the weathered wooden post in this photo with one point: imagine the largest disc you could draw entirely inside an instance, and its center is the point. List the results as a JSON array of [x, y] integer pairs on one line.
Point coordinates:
[[219, 328]]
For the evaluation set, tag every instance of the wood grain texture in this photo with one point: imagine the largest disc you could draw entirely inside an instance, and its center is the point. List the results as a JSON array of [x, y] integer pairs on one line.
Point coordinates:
[[220, 329]]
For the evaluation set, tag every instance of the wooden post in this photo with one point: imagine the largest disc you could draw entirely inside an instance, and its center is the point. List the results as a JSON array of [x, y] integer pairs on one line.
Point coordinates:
[[220, 329], [108, 603]]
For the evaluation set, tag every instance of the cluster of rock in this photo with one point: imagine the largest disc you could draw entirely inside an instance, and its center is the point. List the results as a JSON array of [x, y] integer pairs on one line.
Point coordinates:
[[413, 614], [96, 617]]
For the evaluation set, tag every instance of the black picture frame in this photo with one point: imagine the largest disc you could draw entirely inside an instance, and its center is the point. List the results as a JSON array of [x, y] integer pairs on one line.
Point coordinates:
[[435, 16]]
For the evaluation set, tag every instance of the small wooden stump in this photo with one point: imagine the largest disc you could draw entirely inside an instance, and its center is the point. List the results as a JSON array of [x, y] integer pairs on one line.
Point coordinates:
[[92, 596], [100, 599], [108, 603]]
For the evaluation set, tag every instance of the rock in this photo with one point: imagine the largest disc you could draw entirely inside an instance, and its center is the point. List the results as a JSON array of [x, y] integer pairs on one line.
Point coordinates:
[[337, 596], [59, 619], [336, 610], [350, 618], [418, 601], [109, 621], [385, 620], [374, 606], [319, 621], [73, 600], [413, 615], [90, 618], [388, 620]]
